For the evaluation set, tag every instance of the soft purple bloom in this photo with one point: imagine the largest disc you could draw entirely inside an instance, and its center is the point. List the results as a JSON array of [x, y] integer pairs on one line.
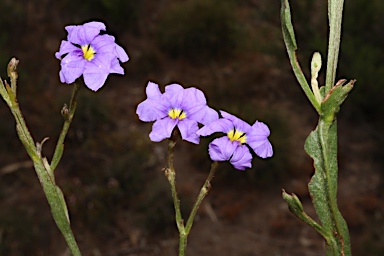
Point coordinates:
[[180, 107], [239, 134], [90, 54]]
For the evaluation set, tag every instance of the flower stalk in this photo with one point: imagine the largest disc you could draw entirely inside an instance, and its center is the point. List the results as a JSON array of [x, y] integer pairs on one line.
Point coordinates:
[[170, 173], [43, 170]]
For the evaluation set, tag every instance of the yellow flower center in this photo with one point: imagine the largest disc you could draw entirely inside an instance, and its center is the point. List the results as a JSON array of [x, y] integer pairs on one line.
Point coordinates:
[[88, 51], [177, 113], [236, 135]]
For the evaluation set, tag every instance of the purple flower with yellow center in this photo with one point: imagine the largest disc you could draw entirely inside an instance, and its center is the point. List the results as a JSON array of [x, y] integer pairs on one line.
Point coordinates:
[[90, 54], [239, 134], [180, 107]]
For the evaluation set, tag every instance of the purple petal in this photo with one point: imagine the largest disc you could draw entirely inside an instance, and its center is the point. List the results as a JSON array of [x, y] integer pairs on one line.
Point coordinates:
[[241, 158], [155, 107], [121, 54], [65, 47], [173, 89], [195, 96], [221, 149], [104, 44], [175, 95], [206, 115], [72, 67], [220, 125], [188, 129], [84, 34], [116, 68], [257, 139], [194, 103], [96, 71], [237, 122], [162, 129], [95, 81], [152, 90]]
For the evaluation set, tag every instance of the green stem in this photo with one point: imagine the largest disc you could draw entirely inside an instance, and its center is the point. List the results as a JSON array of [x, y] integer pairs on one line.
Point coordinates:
[[68, 116], [335, 14], [43, 171], [58, 209], [171, 174], [203, 192], [337, 227]]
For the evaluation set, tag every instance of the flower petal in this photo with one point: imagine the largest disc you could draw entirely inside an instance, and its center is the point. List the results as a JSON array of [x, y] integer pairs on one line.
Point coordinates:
[[173, 89], [95, 81], [188, 129], [116, 67], [96, 71], [155, 107], [220, 125], [65, 47], [221, 149], [152, 90], [241, 158], [257, 139], [205, 115], [237, 122], [162, 129], [121, 53], [72, 67], [84, 34]]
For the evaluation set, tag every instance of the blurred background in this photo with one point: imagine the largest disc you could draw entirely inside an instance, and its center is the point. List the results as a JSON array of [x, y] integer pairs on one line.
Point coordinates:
[[111, 173]]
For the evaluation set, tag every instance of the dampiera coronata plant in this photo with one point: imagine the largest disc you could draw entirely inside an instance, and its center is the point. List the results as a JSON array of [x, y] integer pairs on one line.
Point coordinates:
[[233, 147], [91, 54], [180, 107]]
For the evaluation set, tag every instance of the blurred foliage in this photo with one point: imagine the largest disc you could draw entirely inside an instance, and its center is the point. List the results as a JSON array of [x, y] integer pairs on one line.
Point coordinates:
[[199, 30]]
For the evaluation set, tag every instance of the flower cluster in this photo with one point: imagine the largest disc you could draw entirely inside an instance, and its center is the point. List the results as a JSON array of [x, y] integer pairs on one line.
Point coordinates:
[[232, 147], [91, 54], [185, 108], [180, 107]]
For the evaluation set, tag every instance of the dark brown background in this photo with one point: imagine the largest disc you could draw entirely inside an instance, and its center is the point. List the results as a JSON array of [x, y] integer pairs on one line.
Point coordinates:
[[118, 197]]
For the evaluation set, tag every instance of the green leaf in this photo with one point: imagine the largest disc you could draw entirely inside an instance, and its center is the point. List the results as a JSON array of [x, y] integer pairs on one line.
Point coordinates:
[[290, 43], [288, 31], [321, 145]]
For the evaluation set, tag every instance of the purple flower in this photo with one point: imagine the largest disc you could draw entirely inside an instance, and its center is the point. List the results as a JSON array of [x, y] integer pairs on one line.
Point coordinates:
[[90, 54], [180, 107], [239, 134]]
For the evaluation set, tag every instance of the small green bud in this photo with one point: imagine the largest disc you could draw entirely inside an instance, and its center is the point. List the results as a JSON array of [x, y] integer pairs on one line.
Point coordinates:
[[294, 203]]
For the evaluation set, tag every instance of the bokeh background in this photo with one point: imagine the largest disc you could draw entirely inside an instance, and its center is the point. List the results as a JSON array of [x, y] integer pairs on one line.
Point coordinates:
[[118, 197]]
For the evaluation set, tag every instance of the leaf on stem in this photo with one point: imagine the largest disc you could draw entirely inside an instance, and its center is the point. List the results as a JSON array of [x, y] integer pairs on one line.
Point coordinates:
[[335, 97]]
